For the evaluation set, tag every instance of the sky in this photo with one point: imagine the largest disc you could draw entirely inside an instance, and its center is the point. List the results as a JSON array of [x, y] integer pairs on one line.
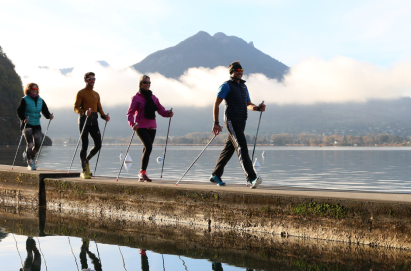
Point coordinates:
[[360, 48]]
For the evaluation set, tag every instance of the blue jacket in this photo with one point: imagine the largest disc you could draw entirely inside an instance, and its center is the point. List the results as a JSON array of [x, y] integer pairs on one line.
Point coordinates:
[[33, 110]]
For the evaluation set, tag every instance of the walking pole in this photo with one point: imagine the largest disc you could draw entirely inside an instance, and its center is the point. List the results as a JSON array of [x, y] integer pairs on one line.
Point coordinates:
[[82, 130], [165, 148], [258, 127], [196, 159], [22, 133], [38, 154], [125, 156], [100, 148]]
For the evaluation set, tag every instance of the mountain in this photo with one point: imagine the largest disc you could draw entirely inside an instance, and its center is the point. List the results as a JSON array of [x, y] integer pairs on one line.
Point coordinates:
[[11, 91], [204, 50]]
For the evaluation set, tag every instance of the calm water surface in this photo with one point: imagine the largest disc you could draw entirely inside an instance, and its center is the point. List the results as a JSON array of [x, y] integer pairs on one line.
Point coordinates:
[[384, 169]]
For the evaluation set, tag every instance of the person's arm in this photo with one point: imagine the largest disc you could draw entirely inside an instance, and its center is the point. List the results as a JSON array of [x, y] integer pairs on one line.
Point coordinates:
[[100, 110], [21, 109], [161, 110], [77, 104], [45, 110], [131, 112], [216, 111], [253, 107]]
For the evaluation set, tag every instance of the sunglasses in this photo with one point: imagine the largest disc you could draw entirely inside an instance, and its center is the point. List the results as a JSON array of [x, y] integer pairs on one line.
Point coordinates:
[[91, 79], [238, 70], [145, 82], [34, 89]]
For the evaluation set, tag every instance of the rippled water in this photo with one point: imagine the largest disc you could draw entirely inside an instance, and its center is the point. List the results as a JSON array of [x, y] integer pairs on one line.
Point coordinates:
[[385, 169]]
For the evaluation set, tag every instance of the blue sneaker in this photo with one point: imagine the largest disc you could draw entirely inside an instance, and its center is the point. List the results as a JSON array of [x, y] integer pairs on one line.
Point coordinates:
[[256, 182], [217, 180], [32, 166]]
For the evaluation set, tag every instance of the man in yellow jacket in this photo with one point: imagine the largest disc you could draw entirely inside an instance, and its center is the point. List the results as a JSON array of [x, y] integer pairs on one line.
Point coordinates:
[[87, 105]]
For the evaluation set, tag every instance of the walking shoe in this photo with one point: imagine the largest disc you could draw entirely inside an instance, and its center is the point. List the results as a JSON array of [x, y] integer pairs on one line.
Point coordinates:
[[85, 175], [217, 180], [88, 168], [256, 182], [142, 176], [31, 165]]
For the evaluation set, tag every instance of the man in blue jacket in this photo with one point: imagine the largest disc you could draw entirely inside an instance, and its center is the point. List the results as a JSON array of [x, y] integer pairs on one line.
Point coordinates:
[[237, 101]]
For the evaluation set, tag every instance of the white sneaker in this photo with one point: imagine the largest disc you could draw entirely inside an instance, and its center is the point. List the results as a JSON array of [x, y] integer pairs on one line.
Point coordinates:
[[256, 182]]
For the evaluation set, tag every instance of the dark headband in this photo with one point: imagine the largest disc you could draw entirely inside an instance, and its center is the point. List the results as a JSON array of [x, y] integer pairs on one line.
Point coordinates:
[[234, 67]]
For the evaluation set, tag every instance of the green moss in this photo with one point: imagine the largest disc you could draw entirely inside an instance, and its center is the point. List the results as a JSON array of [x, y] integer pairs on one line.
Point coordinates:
[[391, 213], [265, 209], [325, 209]]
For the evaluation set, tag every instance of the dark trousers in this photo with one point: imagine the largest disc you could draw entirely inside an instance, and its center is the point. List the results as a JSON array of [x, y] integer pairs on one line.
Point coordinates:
[[94, 132], [147, 138], [33, 138], [236, 141]]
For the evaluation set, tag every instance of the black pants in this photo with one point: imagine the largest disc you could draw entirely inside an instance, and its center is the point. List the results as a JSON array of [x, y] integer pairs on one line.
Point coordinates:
[[236, 141], [33, 138], [94, 132], [147, 138]]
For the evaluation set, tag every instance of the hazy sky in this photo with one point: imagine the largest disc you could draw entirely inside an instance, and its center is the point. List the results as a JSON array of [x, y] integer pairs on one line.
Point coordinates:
[[63, 33], [338, 50]]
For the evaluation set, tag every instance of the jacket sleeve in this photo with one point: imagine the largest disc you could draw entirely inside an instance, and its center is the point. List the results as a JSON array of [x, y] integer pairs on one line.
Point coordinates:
[[45, 110], [21, 109], [132, 109], [78, 104], [100, 109], [161, 110]]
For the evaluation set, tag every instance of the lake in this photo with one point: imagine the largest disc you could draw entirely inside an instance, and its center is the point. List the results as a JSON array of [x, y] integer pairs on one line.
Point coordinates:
[[382, 169]]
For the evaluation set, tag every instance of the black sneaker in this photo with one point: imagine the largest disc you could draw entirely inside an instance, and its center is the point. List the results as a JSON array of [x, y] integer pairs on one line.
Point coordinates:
[[217, 180]]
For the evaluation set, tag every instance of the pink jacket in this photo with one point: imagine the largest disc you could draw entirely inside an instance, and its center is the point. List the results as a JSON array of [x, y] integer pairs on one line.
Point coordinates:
[[135, 112]]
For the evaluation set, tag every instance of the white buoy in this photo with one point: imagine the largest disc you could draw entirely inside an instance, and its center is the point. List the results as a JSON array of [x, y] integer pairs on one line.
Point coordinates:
[[159, 159], [263, 154], [128, 159], [256, 164], [121, 157], [127, 166]]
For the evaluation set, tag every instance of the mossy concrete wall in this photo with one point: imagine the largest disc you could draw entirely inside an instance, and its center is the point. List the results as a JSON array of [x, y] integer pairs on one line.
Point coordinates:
[[374, 223]]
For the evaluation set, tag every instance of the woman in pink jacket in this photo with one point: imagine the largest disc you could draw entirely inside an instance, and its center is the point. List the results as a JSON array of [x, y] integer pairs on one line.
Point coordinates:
[[142, 119]]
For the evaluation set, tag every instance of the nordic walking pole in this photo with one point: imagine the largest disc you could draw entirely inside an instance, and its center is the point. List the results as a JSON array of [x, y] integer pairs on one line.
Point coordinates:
[[125, 156], [78, 142], [196, 159], [258, 127], [100, 148], [38, 154], [22, 133], [165, 148]]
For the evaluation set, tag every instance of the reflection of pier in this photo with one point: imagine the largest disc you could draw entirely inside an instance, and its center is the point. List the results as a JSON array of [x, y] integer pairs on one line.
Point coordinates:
[[378, 219]]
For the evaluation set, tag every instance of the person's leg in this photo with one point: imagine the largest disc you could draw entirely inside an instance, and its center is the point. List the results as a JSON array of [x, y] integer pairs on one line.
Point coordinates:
[[147, 138], [84, 145], [224, 157], [83, 253], [236, 130], [94, 132], [28, 135], [37, 136]]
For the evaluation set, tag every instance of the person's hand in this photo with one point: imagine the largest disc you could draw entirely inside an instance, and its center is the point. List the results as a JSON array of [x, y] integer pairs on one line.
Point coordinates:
[[135, 127], [107, 117], [217, 129], [88, 112], [170, 113], [261, 107], [26, 121], [51, 116]]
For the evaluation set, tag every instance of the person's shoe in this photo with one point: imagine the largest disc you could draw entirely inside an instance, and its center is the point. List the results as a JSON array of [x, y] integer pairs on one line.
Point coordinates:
[[256, 182], [217, 180], [85, 175], [31, 165], [143, 177], [88, 168]]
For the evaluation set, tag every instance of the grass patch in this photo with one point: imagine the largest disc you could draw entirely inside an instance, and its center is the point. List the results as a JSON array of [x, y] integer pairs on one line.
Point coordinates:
[[324, 209]]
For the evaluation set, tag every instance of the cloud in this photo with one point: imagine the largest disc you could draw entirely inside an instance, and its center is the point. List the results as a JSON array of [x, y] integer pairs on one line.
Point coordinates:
[[311, 81]]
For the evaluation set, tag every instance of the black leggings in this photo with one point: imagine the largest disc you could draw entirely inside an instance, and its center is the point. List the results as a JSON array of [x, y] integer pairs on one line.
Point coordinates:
[[147, 138], [94, 132], [33, 138]]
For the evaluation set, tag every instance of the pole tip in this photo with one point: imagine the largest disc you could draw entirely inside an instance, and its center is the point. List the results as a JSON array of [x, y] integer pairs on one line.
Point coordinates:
[[11, 168], [36, 161], [176, 184], [116, 180]]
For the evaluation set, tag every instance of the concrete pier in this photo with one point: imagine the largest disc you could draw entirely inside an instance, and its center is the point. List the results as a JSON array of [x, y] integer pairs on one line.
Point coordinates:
[[374, 219]]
